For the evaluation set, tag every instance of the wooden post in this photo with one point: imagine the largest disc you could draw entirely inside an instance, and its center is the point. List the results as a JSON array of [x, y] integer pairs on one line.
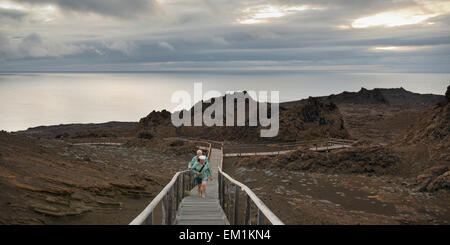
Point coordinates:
[[174, 196], [219, 182], [149, 219], [182, 186], [236, 204], [223, 191], [219, 179], [170, 207], [190, 181], [164, 210], [248, 212], [229, 206], [178, 200], [261, 218]]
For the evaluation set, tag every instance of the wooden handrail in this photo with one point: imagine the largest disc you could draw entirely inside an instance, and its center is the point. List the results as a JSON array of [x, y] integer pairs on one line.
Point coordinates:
[[262, 208], [146, 216], [270, 216]]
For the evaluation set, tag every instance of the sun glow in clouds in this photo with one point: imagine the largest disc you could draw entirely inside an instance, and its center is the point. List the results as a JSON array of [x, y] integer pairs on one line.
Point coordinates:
[[263, 13], [387, 48], [46, 13], [408, 16], [392, 19], [8, 5], [398, 48]]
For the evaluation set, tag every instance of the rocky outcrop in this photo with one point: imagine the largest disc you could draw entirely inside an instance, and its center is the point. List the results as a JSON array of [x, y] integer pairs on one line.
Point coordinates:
[[391, 97], [364, 96], [401, 98], [363, 160], [155, 118], [433, 130], [434, 179], [43, 181], [314, 119]]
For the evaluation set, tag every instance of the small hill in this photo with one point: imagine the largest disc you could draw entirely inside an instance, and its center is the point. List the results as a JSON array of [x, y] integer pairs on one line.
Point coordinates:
[[432, 128], [379, 115], [431, 131], [79, 130], [311, 120], [402, 98], [47, 181], [364, 96], [393, 97]]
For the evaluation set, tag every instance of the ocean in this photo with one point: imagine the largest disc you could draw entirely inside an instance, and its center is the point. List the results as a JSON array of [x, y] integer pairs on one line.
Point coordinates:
[[35, 99]]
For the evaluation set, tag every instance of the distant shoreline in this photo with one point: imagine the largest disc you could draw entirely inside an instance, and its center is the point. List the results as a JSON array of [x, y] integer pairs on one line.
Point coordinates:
[[228, 72]]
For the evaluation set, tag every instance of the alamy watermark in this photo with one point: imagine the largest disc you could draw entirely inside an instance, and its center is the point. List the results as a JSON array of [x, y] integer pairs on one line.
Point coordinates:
[[213, 115]]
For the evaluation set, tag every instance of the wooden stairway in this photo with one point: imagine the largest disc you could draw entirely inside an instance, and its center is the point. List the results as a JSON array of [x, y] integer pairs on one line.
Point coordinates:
[[195, 210]]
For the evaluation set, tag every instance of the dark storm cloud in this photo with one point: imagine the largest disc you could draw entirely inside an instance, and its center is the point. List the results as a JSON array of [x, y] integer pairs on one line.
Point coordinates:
[[12, 14], [119, 8]]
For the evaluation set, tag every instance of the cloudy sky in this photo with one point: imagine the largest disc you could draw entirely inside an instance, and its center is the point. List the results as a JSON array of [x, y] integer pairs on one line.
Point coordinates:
[[153, 35]]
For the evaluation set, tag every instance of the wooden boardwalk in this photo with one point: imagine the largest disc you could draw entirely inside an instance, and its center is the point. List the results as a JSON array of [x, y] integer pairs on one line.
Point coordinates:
[[271, 153], [195, 210], [329, 148]]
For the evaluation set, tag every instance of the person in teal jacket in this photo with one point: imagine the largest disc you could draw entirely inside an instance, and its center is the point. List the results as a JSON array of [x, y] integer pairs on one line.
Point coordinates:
[[202, 172], [195, 159]]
